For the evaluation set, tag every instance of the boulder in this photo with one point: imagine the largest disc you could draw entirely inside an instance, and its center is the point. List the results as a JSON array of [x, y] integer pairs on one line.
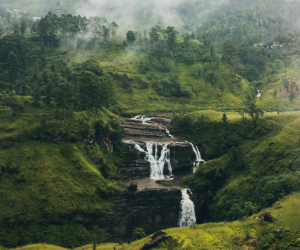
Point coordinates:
[[156, 242], [132, 187], [158, 234]]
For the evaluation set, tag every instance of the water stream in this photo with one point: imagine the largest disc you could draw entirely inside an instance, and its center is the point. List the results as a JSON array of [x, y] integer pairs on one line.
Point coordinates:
[[258, 93], [142, 118], [157, 153], [157, 163], [198, 157], [187, 215]]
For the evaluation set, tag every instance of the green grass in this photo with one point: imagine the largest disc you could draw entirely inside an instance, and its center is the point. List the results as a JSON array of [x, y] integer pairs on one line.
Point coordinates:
[[224, 235], [258, 165], [271, 81], [59, 193]]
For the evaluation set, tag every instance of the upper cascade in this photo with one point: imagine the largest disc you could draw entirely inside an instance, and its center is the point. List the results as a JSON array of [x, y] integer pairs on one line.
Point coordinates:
[[187, 215], [151, 127], [164, 154]]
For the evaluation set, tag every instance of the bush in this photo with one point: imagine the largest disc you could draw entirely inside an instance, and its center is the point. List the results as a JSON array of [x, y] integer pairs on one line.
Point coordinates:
[[138, 233]]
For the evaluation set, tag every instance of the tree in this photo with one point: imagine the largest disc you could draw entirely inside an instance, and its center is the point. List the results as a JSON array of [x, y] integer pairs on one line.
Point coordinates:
[[114, 27], [64, 95], [130, 37], [16, 28], [275, 93], [8, 16], [286, 84], [228, 50], [45, 76], [224, 118], [105, 32], [287, 62], [171, 38], [36, 94], [252, 110], [186, 41], [92, 66], [125, 44], [138, 233], [212, 51], [89, 89], [13, 67], [33, 27], [291, 96], [48, 91], [13, 103], [222, 88], [153, 35], [23, 27]]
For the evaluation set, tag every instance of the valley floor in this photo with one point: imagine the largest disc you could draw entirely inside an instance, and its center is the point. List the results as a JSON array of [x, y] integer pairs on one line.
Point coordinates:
[[242, 234]]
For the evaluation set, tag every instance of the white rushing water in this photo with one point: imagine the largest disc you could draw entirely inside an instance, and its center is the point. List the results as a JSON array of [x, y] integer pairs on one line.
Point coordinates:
[[258, 93], [145, 119], [187, 215], [198, 157], [142, 118], [168, 132], [157, 163]]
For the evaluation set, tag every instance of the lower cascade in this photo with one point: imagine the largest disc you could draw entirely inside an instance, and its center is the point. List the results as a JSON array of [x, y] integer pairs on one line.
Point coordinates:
[[187, 215]]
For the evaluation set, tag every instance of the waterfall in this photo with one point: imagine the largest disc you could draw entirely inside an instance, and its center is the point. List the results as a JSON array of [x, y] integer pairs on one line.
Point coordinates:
[[142, 118], [157, 164], [198, 157], [187, 215], [258, 93], [168, 133]]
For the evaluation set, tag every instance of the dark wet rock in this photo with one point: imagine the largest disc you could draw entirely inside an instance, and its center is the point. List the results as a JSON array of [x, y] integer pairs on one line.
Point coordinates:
[[158, 234], [133, 187], [156, 242], [182, 157], [199, 202], [134, 165], [167, 182], [150, 209], [155, 128]]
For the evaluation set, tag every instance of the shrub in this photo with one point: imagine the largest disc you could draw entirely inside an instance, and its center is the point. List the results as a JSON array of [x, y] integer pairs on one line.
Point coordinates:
[[138, 233]]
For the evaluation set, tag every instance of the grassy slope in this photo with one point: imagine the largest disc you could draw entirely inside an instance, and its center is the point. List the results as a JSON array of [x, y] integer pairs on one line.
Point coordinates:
[[225, 235], [114, 59], [273, 81], [47, 189], [270, 153]]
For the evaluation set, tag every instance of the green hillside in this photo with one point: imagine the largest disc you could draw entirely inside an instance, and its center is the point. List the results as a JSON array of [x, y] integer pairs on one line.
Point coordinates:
[[249, 167], [243, 234], [66, 81], [54, 185]]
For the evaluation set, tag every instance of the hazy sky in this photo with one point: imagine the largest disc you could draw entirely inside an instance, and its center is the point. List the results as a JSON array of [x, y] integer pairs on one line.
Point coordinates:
[[132, 13]]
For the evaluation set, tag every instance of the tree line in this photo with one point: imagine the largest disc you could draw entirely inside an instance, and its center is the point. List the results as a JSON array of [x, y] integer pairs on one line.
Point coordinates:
[[52, 26]]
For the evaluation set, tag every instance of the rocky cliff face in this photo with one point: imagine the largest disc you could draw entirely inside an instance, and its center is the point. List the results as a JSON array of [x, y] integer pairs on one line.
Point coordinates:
[[150, 209], [154, 128], [135, 166]]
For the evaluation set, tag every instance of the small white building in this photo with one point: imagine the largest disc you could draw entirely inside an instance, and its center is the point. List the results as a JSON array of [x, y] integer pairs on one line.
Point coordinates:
[[36, 18]]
